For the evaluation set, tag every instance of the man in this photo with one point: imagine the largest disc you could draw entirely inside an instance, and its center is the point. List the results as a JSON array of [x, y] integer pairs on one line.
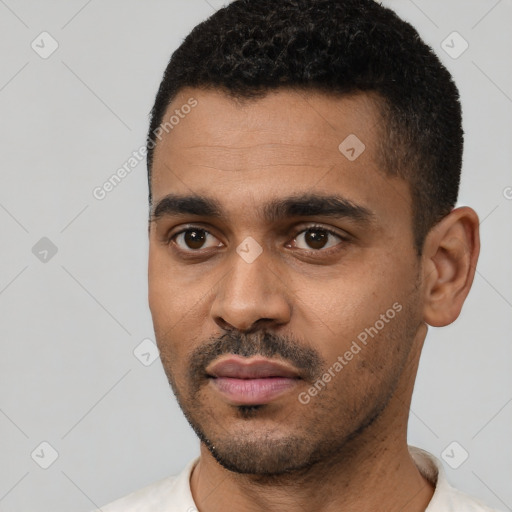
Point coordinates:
[[304, 160]]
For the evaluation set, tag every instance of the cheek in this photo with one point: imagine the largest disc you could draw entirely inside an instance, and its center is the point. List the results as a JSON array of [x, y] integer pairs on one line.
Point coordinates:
[[365, 353], [178, 305], [363, 304], [158, 286], [167, 302], [169, 294], [355, 300]]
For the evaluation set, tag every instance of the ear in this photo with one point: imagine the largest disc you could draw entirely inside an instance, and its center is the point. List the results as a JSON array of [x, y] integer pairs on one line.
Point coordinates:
[[450, 255]]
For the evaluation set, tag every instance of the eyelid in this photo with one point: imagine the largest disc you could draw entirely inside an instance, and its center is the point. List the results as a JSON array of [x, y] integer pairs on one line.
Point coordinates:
[[330, 230]]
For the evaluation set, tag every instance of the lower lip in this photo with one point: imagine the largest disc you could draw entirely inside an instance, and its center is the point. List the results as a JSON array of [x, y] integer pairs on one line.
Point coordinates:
[[253, 391]]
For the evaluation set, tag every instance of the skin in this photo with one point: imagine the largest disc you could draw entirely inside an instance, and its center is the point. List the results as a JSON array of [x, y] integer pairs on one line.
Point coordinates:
[[346, 449]]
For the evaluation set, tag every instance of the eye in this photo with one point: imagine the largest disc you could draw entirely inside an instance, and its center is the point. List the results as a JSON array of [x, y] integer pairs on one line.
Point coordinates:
[[192, 239], [317, 238], [313, 239]]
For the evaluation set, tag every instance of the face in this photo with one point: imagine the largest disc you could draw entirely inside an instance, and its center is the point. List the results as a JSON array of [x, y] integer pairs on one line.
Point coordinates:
[[269, 240]]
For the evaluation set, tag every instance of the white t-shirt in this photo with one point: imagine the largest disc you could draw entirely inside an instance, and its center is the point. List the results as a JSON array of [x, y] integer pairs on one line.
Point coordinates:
[[172, 494]]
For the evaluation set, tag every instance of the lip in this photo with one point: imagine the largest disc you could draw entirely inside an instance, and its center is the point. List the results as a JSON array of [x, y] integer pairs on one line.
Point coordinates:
[[254, 368], [254, 381]]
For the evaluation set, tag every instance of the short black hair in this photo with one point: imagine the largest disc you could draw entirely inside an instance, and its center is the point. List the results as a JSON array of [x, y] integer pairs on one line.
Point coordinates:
[[251, 47]]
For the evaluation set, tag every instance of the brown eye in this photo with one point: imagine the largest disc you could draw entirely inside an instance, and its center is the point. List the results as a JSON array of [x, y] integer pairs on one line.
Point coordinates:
[[193, 239], [317, 238]]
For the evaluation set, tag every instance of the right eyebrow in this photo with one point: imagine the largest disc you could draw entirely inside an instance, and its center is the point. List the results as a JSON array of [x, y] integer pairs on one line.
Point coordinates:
[[173, 204]]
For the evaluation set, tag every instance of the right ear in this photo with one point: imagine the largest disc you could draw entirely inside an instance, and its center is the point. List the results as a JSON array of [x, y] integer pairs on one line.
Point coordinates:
[[450, 256]]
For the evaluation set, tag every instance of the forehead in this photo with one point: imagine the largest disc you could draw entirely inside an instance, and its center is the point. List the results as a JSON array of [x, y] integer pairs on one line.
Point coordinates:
[[300, 122], [285, 143]]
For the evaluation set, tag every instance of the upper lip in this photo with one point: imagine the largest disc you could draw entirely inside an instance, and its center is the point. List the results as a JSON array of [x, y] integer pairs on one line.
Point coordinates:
[[253, 368]]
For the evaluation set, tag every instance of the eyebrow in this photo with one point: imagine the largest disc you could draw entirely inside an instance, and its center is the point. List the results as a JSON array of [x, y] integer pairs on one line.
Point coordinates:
[[307, 205]]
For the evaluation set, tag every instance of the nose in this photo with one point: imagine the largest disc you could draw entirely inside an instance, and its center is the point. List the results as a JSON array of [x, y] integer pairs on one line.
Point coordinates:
[[251, 296]]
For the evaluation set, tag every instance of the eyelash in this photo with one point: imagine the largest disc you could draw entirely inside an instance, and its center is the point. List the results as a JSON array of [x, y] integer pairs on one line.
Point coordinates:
[[170, 239]]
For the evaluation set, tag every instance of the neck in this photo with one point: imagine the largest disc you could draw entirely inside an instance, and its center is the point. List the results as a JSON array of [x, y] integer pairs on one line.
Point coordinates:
[[373, 472]]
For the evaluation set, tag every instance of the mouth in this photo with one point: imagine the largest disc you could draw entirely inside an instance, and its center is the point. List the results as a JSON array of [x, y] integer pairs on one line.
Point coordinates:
[[254, 381]]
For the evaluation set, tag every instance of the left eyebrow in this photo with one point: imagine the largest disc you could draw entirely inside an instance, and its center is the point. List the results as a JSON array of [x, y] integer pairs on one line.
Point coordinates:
[[315, 205], [306, 205]]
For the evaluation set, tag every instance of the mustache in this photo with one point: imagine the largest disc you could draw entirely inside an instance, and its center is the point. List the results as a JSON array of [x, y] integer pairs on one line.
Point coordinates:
[[266, 344]]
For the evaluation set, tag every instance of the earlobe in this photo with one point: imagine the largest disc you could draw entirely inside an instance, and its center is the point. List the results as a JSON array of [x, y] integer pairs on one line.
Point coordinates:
[[449, 261]]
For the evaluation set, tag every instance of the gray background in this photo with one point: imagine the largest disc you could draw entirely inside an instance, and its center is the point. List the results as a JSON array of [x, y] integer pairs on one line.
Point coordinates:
[[70, 322]]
